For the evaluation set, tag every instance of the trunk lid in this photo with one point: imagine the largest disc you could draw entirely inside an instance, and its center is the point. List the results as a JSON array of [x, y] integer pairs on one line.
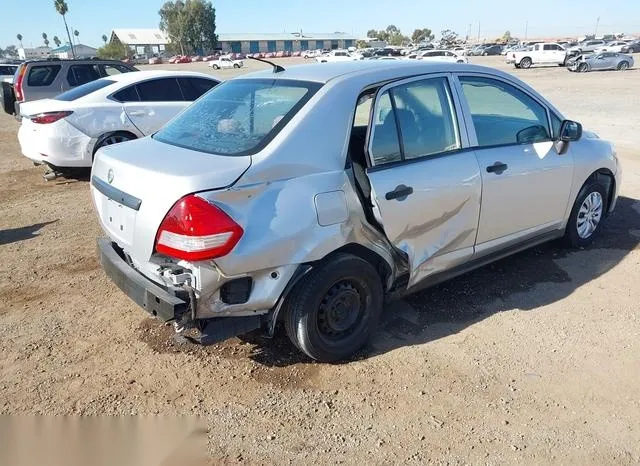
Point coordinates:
[[152, 176], [43, 105]]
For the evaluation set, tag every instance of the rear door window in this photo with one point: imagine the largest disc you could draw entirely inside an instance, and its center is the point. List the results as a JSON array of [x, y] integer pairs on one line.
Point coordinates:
[[160, 90], [193, 88], [42, 75], [82, 74], [7, 70], [111, 69], [128, 94]]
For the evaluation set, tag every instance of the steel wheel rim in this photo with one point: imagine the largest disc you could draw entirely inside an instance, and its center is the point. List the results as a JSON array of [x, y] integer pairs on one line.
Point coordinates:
[[589, 215], [341, 310], [115, 139]]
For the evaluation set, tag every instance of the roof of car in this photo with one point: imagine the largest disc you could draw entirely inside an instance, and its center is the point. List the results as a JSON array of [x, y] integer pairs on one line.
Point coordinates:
[[140, 75], [326, 72]]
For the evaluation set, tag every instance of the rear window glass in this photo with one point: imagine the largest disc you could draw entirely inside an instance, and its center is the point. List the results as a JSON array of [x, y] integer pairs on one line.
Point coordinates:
[[42, 75], [7, 70], [238, 117], [128, 94], [84, 90], [82, 74], [193, 88]]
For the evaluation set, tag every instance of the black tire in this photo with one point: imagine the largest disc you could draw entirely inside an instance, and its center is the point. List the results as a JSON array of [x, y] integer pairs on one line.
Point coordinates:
[[516, 65], [583, 67], [215, 67], [333, 311], [235, 65], [526, 63], [571, 234], [623, 66], [8, 98], [112, 138]]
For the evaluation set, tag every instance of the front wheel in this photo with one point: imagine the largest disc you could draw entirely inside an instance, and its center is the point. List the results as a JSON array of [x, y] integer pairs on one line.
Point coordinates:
[[215, 67], [526, 63], [587, 214], [334, 310], [583, 68]]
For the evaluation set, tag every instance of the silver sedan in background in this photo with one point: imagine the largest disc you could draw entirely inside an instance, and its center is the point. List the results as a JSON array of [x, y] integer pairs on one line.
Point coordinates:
[[600, 61]]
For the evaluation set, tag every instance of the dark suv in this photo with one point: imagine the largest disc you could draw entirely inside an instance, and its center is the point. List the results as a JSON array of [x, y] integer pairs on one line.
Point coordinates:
[[43, 79]]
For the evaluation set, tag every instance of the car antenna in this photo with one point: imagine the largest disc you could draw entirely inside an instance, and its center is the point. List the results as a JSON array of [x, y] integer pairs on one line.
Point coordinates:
[[276, 68]]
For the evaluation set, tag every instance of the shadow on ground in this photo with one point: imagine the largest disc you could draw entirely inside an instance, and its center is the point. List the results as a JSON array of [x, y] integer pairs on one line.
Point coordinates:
[[507, 284], [14, 235]]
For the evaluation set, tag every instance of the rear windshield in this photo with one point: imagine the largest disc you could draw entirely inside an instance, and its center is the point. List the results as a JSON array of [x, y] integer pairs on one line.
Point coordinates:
[[42, 75], [238, 117], [84, 90], [6, 70]]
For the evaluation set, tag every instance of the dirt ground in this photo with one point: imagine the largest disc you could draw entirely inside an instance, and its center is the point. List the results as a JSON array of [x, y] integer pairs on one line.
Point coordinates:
[[535, 359]]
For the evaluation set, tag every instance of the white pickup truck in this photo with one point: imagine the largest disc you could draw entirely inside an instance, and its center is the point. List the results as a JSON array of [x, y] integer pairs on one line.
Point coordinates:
[[548, 53], [338, 55]]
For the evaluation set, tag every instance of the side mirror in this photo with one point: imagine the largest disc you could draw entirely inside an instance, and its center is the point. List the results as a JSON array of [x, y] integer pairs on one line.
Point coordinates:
[[570, 131]]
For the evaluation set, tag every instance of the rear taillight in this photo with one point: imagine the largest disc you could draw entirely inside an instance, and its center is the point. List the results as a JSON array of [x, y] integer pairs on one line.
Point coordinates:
[[195, 230], [17, 88], [48, 117]]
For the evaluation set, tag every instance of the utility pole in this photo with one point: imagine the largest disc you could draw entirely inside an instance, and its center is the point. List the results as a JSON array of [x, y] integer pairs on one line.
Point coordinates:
[[526, 29], [595, 34], [469, 33], [478, 32]]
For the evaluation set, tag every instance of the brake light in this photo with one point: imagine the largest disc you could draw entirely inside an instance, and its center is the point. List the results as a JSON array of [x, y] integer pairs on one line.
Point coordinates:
[[49, 117], [195, 230], [18, 83]]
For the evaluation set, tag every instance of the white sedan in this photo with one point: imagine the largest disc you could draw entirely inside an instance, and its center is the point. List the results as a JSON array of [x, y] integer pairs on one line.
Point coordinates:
[[225, 63], [612, 47], [442, 55], [65, 132]]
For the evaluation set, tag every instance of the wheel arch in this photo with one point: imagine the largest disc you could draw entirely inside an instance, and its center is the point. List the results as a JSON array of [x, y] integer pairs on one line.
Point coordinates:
[[99, 141]]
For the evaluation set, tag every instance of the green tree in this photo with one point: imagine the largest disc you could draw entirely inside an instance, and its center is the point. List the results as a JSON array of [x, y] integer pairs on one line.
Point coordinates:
[[77, 34], [56, 41], [362, 44], [113, 50], [422, 35], [11, 51], [62, 8], [190, 24], [19, 37], [506, 37], [104, 38], [372, 34], [45, 39]]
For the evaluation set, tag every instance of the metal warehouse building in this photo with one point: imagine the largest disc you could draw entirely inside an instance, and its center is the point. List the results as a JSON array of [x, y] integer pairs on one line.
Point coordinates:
[[252, 43], [155, 41]]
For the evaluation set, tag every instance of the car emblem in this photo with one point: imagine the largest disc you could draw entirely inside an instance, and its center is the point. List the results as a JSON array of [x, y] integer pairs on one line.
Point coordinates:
[[110, 176]]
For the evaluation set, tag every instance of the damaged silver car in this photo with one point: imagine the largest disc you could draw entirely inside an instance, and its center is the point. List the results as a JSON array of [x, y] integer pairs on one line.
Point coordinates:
[[313, 194]]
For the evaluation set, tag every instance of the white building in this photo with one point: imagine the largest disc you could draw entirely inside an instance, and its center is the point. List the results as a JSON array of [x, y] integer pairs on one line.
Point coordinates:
[[34, 53], [141, 41], [81, 50], [154, 41]]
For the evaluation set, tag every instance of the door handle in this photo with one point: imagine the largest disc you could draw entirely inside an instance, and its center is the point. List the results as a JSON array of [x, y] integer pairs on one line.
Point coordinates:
[[400, 193], [497, 168], [138, 113]]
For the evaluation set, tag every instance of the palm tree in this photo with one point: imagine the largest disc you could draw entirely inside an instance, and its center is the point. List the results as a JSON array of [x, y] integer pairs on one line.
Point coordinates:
[[104, 39], [62, 8], [44, 37], [77, 34], [19, 37], [56, 41]]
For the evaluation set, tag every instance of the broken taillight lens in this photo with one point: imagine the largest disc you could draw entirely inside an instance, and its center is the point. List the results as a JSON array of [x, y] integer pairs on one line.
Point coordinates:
[[195, 230]]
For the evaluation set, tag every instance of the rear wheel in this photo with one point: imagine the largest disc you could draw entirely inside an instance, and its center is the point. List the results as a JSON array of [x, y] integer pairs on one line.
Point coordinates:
[[587, 214], [623, 65], [215, 67], [334, 310], [583, 68], [113, 138], [235, 65], [525, 63]]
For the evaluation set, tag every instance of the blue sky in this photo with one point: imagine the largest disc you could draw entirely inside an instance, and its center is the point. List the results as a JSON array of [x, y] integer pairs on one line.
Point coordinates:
[[93, 18]]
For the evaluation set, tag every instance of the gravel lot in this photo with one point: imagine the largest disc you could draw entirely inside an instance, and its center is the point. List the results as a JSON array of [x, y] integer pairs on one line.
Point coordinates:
[[534, 359]]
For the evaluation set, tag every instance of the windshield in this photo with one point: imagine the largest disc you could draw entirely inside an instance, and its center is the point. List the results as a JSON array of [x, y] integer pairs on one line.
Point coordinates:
[[85, 89], [238, 117]]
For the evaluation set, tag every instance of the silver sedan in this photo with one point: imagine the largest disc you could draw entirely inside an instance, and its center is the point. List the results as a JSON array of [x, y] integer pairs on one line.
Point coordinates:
[[601, 61], [312, 194]]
